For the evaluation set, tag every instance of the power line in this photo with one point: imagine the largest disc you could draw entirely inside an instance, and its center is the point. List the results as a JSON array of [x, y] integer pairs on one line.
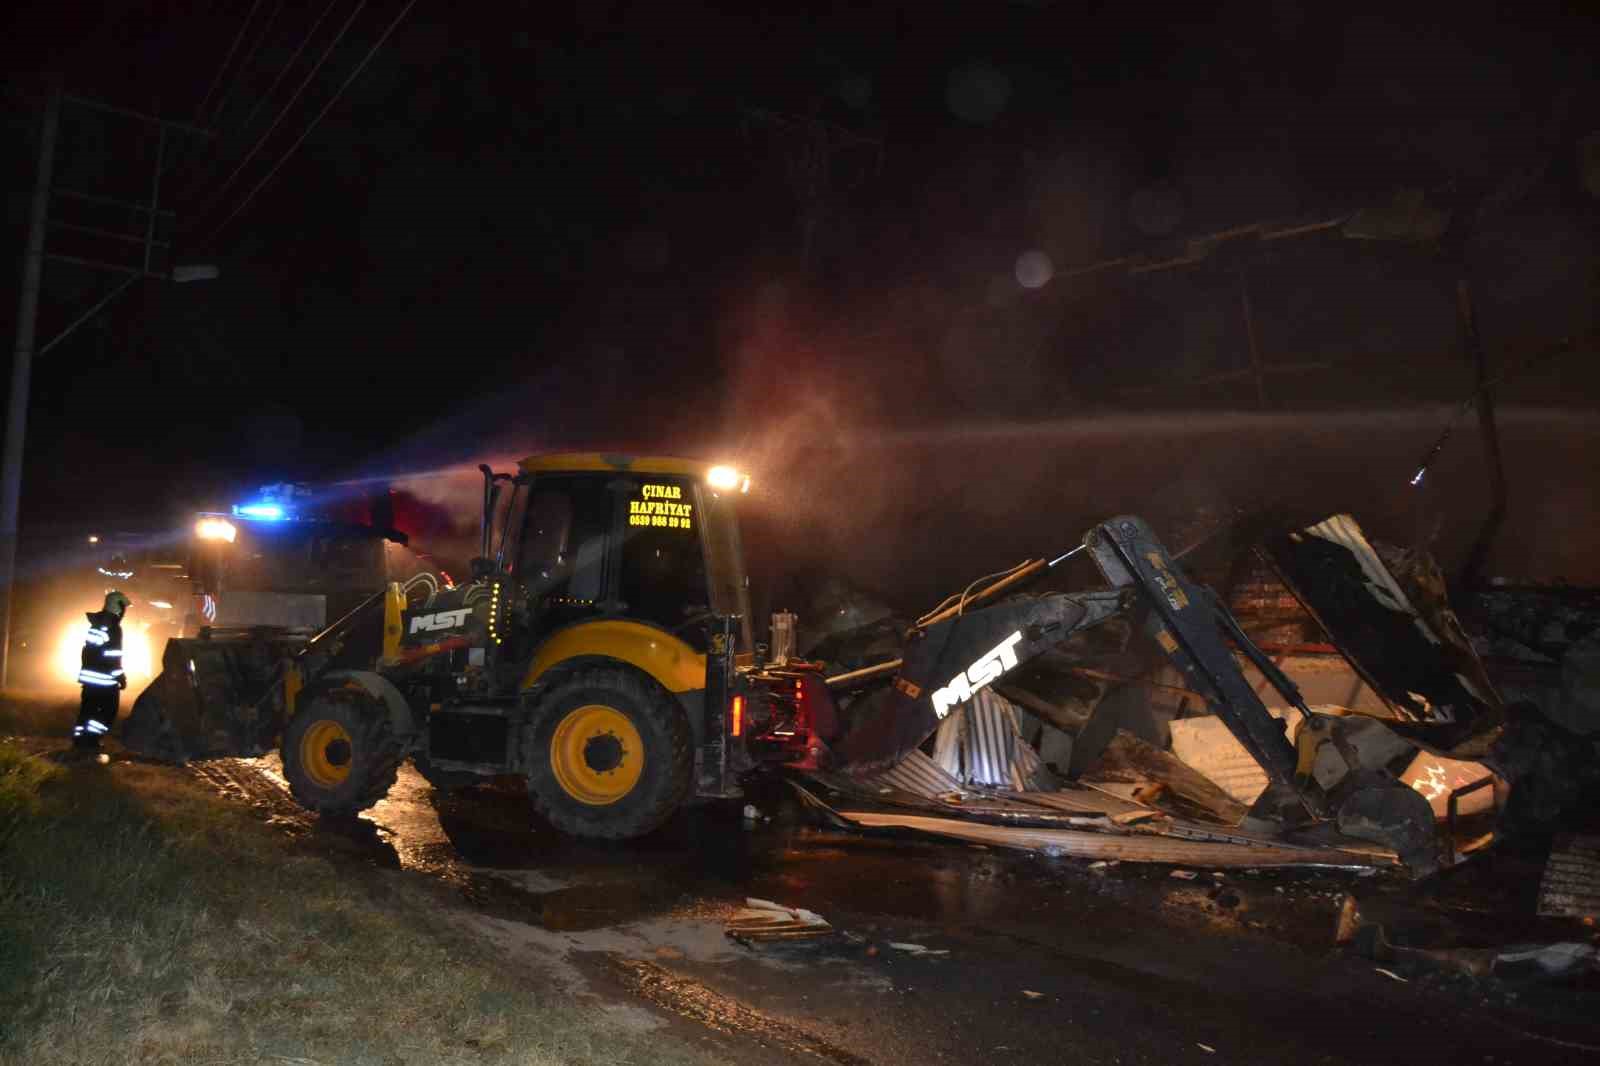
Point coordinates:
[[216, 161], [200, 112], [262, 140], [181, 156], [249, 57], [251, 117], [354, 74]]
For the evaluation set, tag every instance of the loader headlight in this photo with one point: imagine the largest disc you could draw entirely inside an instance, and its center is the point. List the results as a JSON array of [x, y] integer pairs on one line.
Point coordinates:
[[215, 529], [726, 479]]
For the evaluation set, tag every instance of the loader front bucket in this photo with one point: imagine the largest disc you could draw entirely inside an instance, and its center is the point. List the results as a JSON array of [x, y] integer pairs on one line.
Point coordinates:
[[216, 696]]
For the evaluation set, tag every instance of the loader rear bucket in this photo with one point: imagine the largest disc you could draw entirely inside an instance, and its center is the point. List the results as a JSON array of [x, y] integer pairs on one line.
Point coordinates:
[[949, 660], [216, 696]]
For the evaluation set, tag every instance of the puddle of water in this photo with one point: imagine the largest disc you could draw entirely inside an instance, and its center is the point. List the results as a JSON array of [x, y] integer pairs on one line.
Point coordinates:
[[497, 897], [569, 909], [486, 843], [594, 906]]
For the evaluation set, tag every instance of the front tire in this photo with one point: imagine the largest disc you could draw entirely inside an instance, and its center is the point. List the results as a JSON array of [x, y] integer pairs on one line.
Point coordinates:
[[612, 756], [340, 755]]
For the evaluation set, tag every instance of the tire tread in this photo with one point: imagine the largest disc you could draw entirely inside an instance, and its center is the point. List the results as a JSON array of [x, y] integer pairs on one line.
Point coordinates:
[[372, 732], [615, 822]]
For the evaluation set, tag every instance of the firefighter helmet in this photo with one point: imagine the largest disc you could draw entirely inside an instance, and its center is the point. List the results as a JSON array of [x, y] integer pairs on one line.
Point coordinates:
[[118, 567], [116, 603]]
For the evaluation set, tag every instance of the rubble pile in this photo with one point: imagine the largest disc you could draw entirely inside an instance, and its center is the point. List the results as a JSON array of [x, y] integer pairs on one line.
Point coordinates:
[[1485, 723]]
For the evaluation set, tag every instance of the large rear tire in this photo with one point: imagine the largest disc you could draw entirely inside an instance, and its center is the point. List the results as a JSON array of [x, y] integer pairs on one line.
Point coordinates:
[[612, 755], [340, 755]]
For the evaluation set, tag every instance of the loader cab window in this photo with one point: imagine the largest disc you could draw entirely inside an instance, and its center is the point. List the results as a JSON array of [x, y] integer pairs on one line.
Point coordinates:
[[662, 576], [730, 586], [561, 557]]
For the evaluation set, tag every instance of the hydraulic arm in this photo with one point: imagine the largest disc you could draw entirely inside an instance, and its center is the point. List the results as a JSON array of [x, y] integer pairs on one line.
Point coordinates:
[[1187, 622], [962, 649]]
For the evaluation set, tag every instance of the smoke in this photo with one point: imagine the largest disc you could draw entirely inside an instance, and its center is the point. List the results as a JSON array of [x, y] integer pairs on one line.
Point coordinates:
[[916, 512], [439, 510], [915, 438]]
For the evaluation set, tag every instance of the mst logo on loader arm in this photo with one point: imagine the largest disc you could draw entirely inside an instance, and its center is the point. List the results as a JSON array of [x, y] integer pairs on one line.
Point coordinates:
[[993, 640], [987, 670], [428, 623]]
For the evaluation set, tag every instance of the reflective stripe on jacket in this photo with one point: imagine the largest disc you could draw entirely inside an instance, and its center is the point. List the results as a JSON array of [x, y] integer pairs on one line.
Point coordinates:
[[102, 651]]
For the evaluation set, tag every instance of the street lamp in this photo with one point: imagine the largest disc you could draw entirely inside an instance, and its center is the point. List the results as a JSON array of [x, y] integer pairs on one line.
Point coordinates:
[[194, 272]]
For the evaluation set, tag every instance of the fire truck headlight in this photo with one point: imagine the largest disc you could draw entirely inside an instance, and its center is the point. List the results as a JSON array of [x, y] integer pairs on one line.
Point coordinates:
[[215, 529]]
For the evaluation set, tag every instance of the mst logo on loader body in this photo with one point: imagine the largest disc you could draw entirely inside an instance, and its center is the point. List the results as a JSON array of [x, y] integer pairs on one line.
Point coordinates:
[[979, 675], [427, 623]]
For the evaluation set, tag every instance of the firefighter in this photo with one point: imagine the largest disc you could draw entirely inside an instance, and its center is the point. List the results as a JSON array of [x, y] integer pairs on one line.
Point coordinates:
[[102, 676]]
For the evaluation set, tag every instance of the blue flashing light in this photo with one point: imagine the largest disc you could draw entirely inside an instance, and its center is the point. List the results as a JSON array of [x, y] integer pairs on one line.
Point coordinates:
[[267, 512]]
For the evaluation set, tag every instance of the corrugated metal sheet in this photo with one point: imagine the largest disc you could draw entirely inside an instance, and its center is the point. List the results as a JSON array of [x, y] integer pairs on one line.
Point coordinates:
[[991, 742], [947, 742], [1206, 745], [981, 744], [1082, 801], [1116, 821], [916, 774], [1571, 885], [917, 777], [1124, 847]]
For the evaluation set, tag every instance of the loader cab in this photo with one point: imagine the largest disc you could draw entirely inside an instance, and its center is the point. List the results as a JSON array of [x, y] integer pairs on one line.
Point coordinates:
[[653, 541]]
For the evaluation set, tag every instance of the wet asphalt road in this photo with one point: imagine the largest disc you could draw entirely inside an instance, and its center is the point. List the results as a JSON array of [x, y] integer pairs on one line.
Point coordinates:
[[1048, 961]]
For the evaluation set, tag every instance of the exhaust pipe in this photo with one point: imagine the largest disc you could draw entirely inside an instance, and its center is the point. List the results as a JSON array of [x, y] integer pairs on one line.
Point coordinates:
[[491, 495]]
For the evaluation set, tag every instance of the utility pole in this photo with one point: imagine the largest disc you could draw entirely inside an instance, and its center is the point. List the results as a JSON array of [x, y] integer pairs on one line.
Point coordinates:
[[39, 223], [1256, 371], [811, 144], [22, 366], [1472, 344]]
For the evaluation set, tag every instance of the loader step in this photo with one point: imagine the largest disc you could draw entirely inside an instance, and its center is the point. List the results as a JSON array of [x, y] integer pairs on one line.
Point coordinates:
[[457, 766]]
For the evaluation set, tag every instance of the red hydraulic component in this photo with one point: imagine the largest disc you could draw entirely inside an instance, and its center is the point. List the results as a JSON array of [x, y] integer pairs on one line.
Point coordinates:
[[786, 716]]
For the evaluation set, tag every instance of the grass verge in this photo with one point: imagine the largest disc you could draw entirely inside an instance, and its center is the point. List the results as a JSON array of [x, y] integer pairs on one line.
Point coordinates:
[[144, 920], [41, 713]]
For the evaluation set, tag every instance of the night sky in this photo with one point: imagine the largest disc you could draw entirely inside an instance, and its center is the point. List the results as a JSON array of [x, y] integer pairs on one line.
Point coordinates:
[[824, 238]]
